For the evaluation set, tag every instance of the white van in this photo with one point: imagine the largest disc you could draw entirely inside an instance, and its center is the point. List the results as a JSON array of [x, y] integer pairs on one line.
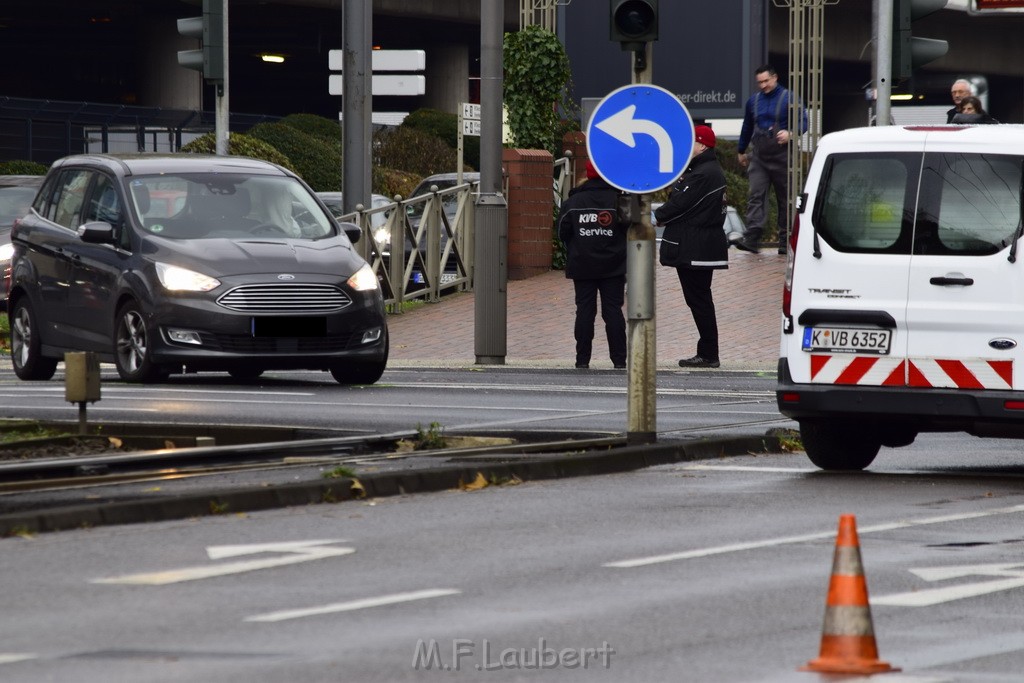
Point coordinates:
[[903, 309]]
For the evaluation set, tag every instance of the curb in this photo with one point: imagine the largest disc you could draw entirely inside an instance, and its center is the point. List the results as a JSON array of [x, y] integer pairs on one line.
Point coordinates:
[[379, 485]]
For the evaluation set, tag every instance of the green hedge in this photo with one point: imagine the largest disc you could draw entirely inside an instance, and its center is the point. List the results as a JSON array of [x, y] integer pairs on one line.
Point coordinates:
[[239, 145], [445, 126], [318, 164], [22, 167]]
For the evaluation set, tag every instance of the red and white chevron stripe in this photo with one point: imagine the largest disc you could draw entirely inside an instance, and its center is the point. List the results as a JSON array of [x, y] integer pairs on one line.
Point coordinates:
[[975, 373]]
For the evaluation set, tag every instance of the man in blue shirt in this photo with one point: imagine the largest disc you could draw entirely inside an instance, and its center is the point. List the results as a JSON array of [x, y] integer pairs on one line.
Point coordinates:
[[766, 132]]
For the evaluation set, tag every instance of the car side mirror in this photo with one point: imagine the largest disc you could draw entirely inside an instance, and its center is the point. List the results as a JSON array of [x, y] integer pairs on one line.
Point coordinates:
[[352, 231], [96, 232]]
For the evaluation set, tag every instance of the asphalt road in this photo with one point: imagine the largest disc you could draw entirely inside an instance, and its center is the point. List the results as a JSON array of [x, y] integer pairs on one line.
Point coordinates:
[[708, 571], [485, 398]]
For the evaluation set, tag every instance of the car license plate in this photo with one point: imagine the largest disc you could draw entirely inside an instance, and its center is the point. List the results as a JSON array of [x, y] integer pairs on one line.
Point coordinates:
[[289, 326], [847, 340]]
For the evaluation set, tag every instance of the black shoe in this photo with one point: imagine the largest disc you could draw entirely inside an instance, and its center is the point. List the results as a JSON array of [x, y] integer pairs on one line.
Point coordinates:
[[698, 362], [747, 245], [620, 366], [583, 366]]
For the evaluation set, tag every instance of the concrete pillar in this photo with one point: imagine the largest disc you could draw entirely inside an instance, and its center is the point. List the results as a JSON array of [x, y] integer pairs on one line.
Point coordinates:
[[447, 76]]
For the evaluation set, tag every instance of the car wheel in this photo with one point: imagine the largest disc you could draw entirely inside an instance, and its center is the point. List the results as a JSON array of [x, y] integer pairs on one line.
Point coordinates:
[[132, 347], [245, 374], [838, 445], [362, 372], [26, 345]]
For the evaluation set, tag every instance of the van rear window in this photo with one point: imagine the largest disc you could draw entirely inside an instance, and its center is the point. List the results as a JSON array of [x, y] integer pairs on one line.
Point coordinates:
[[966, 204], [969, 204], [862, 206]]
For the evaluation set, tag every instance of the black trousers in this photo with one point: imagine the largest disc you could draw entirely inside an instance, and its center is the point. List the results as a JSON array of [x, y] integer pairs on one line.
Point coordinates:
[[613, 296], [696, 284], [764, 173]]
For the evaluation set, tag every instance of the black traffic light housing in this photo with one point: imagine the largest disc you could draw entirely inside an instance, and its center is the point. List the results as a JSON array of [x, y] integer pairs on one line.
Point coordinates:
[[634, 23], [908, 51], [209, 28]]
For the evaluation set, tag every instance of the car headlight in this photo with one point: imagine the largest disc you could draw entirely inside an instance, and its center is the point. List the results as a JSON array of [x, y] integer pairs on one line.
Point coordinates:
[[382, 236], [6, 252], [178, 279], [363, 280]]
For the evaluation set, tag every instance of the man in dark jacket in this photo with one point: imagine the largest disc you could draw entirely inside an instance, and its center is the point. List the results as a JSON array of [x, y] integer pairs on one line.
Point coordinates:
[[694, 242], [595, 245]]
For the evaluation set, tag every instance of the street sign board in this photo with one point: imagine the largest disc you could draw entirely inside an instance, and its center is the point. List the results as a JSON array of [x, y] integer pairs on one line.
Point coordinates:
[[383, 60], [640, 138], [397, 84]]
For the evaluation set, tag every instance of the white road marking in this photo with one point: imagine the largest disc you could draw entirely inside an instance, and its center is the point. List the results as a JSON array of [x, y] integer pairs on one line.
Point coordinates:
[[12, 657], [803, 538], [295, 553], [749, 468], [365, 603], [1011, 576]]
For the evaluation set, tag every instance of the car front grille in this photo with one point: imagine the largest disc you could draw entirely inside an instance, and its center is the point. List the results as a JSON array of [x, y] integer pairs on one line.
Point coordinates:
[[306, 298]]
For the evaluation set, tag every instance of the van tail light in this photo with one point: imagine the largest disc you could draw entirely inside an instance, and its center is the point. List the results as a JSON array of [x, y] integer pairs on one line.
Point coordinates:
[[787, 291]]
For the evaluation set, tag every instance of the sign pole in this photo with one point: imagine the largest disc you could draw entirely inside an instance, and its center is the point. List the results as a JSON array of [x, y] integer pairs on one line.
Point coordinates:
[[641, 403]]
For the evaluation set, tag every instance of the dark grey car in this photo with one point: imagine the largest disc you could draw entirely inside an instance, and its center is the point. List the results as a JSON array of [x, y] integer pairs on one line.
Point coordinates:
[[171, 263]]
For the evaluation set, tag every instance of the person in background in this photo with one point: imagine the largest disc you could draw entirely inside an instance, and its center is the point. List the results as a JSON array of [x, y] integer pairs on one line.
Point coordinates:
[[766, 131], [961, 88], [694, 242], [595, 246], [972, 111]]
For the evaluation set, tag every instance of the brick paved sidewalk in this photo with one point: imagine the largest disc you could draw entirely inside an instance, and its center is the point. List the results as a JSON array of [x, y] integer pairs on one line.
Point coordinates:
[[540, 315]]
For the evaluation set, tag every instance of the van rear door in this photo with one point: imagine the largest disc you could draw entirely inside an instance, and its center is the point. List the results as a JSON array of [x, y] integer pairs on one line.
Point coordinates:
[[850, 304], [965, 314]]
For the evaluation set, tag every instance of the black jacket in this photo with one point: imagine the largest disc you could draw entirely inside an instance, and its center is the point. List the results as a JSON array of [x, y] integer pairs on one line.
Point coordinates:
[[588, 225], [694, 216]]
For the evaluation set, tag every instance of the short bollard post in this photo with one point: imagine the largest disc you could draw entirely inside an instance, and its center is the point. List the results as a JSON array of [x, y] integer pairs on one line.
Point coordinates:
[[81, 382]]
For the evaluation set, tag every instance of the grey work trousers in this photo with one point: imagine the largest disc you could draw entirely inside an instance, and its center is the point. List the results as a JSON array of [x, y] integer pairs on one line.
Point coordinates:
[[762, 173]]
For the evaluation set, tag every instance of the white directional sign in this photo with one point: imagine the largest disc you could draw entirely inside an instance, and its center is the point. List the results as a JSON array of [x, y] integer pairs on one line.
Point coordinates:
[[383, 60], [288, 552], [391, 84], [1001, 577], [469, 117], [640, 138]]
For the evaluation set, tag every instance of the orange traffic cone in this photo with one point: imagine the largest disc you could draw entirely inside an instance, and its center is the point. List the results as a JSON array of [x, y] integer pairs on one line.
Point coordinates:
[[848, 637]]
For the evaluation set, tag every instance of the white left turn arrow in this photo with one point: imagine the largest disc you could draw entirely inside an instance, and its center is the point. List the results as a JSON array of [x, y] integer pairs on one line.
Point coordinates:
[[293, 552], [622, 126], [1006, 577]]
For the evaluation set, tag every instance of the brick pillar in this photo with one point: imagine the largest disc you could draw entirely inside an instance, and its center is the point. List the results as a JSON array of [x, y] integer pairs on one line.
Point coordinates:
[[530, 211]]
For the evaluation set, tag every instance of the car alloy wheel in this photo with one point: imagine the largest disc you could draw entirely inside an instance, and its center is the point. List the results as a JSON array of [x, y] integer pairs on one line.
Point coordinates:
[[132, 347], [26, 353]]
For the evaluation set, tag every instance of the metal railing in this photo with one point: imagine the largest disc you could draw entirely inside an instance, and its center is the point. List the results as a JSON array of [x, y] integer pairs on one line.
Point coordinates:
[[428, 251], [443, 263]]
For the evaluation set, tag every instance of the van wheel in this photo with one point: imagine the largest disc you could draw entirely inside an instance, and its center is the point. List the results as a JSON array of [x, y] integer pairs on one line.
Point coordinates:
[[133, 347], [26, 346], [838, 445]]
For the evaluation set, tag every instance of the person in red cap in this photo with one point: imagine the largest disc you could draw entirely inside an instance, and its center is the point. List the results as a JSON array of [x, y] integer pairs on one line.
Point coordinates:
[[694, 241], [595, 247]]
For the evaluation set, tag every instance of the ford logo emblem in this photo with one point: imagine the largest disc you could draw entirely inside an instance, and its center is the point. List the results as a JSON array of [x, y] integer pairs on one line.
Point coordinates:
[[285, 276], [1002, 344]]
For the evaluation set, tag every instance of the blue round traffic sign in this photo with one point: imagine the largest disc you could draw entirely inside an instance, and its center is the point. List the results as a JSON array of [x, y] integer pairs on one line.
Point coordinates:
[[640, 138]]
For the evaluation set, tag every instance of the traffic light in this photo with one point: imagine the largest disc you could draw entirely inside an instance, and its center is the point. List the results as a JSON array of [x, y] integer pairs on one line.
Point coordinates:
[[634, 22], [909, 51], [209, 28]]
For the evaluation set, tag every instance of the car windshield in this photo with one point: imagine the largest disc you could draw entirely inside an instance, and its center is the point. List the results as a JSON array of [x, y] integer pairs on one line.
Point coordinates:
[[217, 205], [14, 203]]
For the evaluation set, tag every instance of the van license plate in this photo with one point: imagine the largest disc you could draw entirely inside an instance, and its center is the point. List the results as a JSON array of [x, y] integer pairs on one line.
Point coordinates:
[[847, 340]]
